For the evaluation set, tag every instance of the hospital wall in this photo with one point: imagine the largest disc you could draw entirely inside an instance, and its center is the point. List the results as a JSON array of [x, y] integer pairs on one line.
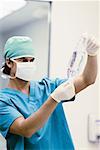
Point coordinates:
[[69, 20]]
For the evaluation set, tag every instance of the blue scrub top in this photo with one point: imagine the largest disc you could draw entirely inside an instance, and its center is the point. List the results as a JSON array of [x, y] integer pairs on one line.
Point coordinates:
[[54, 135]]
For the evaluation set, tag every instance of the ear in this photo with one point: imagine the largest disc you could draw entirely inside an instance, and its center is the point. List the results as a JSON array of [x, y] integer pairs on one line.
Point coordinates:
[[9, 63]]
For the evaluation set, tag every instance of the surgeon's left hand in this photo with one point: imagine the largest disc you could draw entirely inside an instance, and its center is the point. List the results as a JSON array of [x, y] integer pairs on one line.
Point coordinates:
[[91, 45]]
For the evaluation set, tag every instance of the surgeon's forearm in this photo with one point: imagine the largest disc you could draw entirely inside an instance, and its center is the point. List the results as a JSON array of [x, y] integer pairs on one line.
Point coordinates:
[[38, 119], [88, 76], [90, 71]]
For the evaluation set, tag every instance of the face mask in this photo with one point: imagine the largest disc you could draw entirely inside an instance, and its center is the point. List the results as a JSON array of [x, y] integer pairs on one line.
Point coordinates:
[[25, 70]]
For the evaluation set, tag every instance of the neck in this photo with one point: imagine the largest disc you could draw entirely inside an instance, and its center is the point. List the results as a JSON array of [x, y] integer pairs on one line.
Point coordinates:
[[20, 85]]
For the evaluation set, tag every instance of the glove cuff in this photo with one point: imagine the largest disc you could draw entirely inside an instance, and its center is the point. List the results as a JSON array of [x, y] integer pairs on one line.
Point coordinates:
[[69, 93], [92, 54], [55, 98]]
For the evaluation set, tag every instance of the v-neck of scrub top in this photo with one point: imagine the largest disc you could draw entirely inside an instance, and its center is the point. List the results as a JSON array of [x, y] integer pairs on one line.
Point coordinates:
[[20, 92], [32, 99], [28, 97]]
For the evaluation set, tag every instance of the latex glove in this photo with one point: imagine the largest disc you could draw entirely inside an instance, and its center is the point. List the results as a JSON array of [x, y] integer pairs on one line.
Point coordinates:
[[91, 45], [65, 91]]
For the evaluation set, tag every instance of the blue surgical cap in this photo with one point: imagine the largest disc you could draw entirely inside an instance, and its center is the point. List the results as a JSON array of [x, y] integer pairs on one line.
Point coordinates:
[[18, 47]]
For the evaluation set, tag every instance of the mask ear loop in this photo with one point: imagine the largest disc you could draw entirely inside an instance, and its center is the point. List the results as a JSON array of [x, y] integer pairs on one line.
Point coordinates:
[[4, 76], [10, 77]]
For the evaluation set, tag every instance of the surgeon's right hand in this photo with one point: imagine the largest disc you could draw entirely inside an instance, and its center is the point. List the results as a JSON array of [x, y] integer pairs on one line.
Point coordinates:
[[65, 91], [90, 44]]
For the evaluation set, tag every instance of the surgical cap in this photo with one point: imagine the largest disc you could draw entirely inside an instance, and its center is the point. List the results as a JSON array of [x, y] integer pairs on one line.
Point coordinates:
[[18, 47]]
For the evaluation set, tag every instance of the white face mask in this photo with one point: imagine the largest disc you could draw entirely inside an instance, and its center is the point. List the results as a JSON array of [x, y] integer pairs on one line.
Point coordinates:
[[25, 70]]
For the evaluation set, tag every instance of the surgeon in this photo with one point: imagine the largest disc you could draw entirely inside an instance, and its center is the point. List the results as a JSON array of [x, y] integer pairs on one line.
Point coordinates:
[[31, 112]]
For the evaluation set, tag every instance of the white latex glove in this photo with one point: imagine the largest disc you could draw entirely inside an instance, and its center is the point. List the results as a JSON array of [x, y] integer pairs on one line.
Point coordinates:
[[90, 45], [65, 91]]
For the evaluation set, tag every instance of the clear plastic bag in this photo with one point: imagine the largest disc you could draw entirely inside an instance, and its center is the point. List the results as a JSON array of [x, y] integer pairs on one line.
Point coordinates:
[[77, 59]]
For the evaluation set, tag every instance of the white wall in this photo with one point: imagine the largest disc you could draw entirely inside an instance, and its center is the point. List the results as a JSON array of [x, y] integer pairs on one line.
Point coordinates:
[[69, 20], [99, 57]]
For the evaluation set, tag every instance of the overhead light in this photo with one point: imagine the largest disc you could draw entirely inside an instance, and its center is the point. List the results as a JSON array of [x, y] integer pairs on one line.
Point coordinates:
[[9, 6]]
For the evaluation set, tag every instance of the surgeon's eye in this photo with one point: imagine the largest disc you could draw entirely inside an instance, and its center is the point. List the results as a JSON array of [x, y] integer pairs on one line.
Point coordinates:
[[27, 60], [24, 60], [32, 60]]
